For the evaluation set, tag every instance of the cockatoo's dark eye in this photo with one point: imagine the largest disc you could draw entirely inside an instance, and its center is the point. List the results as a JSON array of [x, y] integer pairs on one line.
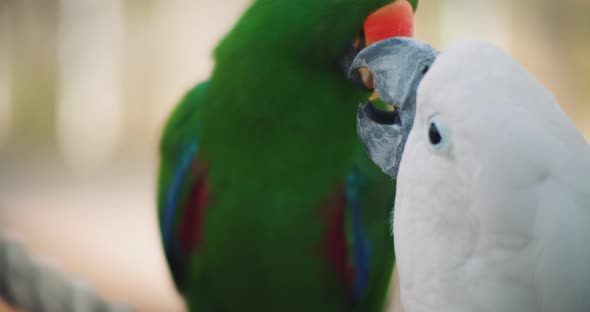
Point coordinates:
[[434, 134], [439, 135]]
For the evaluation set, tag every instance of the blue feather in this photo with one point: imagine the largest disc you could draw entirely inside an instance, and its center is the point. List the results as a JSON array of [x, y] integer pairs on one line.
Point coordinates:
[[174, 191], [362, 256]]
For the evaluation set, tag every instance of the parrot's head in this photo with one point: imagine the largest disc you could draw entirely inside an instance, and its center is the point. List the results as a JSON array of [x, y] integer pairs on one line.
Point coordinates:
[[394, 69], [394, 19], [324, 35]]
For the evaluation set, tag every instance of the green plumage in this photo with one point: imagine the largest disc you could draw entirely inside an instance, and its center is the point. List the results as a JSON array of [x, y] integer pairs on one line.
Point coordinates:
[[275, 126]]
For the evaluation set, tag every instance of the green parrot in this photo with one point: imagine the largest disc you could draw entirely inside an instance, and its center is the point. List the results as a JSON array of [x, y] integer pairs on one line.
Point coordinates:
[[266, 200]]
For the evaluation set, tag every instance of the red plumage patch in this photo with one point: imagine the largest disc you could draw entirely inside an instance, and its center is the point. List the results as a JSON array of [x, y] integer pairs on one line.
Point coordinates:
[[334, 241], [191, 228]]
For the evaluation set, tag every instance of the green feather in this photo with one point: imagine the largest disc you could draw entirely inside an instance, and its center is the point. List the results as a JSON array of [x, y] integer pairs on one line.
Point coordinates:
[[414, 4]]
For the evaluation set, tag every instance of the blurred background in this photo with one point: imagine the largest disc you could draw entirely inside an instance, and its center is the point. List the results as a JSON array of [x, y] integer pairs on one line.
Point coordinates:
[[86, 85]]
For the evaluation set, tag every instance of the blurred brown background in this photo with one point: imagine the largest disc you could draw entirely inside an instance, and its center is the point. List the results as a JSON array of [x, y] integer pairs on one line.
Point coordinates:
[[85, 86]]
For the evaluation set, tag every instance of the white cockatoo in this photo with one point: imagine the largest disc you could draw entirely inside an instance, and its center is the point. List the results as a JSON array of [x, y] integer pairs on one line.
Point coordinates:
[[492, 211]]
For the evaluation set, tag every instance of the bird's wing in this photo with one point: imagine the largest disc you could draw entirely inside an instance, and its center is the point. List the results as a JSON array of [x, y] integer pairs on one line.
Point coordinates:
[[370, 196], [562, 275], [183, 189]]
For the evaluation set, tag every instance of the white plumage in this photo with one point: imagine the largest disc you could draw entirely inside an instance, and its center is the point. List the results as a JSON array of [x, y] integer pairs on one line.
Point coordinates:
[[496, 216]]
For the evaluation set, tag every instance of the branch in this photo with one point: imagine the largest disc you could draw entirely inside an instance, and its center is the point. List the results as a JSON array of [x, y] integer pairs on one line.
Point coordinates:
[[32, 286]]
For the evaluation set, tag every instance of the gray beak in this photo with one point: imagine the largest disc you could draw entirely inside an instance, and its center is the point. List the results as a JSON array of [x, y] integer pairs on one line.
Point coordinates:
[[397, 66]]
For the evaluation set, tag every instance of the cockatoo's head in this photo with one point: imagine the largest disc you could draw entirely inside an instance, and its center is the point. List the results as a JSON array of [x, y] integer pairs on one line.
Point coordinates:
[[472, 90]]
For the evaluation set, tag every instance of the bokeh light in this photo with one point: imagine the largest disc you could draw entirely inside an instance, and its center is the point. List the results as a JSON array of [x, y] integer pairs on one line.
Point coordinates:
[[5, 81], [487, 20], [89, 114]]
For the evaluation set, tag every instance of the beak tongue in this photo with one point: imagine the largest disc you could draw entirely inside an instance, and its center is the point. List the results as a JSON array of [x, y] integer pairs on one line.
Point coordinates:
[[393, 20]]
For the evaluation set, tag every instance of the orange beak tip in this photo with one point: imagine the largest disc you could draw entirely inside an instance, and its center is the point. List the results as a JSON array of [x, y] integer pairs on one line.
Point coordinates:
[[393, 20]]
